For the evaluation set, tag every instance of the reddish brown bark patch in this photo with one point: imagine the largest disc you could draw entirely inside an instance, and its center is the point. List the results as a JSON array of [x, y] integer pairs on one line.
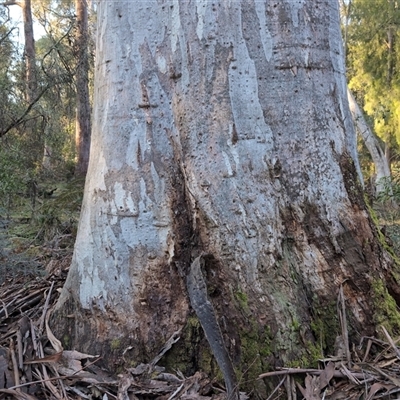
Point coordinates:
[[90, 333], [353, 261], [162, 309]]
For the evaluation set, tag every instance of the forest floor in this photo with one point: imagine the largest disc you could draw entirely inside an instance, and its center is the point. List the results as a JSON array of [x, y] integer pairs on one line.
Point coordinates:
[[14, 259], [35, 255]]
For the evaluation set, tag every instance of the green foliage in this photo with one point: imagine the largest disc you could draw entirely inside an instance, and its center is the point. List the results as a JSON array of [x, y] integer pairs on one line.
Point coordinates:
[[373, 58], [8, 54], [391, 189], [40, 145], [9, 181], [55, 218], [12, 176], [59, 214]]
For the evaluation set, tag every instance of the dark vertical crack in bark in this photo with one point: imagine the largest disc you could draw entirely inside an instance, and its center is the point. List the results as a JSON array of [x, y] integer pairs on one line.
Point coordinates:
[[190, 245]]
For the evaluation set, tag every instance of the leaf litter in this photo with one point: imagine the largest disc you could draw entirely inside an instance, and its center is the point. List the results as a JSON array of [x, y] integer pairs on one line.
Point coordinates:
[[34, 365]]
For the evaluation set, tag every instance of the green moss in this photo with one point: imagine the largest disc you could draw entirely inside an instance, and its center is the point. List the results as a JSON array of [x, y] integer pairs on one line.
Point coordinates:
[[296, 325], [208, 364], [314, 353], [132, 363], [382, 238], [325, 324], [191, 352], [324, 328], [255, 343], [255, 351], [66, 340], [386, 311], [115, 344], [255, 346], [242, 301], [205, 358], [192, 322], [309, 358]]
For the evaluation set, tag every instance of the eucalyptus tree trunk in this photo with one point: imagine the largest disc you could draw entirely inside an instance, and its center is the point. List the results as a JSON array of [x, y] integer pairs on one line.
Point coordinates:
[[83, 125], [378, 156], [223, 181]]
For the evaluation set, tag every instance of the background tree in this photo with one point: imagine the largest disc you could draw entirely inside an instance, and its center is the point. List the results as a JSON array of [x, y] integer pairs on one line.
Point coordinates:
[[10, 171], [373, 59], [41, 126], [29, 52], [38, 152], [223, 173], [69, 50], [382, 181], [29, 48], [58, 66], [6, 61], [83, 125], [31, 120]]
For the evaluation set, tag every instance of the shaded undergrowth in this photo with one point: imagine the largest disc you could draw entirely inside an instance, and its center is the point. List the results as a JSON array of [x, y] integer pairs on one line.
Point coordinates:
[[39, 229]]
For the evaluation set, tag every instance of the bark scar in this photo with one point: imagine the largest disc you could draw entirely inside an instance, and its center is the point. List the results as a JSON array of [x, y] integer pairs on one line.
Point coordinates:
[[197, 290]]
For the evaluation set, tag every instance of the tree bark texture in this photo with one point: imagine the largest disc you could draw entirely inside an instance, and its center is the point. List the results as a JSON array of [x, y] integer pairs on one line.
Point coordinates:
[[83, 125], [221, 129], [382, 168]]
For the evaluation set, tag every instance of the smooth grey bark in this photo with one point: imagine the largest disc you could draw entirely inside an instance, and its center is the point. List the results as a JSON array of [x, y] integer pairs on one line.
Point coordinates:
[[372, 143], [220, 129]]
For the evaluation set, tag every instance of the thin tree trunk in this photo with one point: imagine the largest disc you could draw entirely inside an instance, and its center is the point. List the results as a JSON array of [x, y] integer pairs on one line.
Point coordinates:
[[83, 125], [223, 173], [32, 131], [29, 53], [346, 7], [372, 143], [47, 160], [388, 152], [33, 136]]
